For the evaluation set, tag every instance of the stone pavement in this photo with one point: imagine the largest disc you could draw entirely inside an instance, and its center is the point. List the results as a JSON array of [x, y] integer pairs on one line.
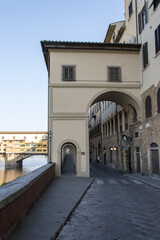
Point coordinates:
[[152, 181], [115, 207], [53, 208], [112, 207]]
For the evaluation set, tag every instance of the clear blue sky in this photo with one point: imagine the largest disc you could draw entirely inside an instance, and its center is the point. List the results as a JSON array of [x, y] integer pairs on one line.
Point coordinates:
[[23, 74]]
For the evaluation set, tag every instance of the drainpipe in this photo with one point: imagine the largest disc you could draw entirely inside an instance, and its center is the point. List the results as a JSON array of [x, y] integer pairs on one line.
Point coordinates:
[[136, 21]]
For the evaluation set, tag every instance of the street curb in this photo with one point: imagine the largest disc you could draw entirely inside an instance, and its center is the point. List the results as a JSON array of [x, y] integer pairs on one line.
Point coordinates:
[[70, 213], [143, 181]]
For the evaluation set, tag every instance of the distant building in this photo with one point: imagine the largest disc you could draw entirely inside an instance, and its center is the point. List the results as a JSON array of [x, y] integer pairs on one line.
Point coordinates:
[[23, 142]]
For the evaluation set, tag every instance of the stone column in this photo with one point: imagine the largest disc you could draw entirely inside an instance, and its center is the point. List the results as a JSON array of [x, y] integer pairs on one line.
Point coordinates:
[[114, 126], [123, 121]]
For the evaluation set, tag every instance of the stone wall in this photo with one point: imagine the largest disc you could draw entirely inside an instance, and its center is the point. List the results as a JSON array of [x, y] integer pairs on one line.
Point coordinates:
[[18, 196], [150, 128]]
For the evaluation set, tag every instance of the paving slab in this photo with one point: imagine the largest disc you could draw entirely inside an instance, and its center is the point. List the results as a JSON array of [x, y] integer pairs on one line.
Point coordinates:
[[115, 208], [149, 180], [53, 208]]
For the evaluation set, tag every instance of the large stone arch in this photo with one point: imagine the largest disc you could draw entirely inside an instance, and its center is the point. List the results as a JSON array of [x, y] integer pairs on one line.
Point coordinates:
[[121, 97]]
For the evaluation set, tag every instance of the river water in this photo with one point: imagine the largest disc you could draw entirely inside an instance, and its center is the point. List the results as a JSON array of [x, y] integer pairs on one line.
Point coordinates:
[[29, 164]]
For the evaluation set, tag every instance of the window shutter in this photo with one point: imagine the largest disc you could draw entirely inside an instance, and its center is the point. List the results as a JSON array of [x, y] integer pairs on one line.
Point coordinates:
[[148, 107], [157, 39], [158, 100], [69, 73], [145, 54], [146, 10], [114, 74], [140, 22]]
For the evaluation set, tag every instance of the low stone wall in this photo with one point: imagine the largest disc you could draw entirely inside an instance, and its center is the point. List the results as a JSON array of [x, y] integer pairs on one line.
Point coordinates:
[[18, 196]]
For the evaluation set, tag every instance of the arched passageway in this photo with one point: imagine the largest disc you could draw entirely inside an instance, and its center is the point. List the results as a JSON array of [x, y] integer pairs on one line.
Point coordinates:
[[68, 159], [113, 121]]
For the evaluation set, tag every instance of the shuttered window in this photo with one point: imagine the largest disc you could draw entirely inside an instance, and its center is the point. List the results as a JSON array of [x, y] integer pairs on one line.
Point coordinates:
[[68, 73], [145, 54], [157, 39], [114, 74], [148, 107], [143, 17]]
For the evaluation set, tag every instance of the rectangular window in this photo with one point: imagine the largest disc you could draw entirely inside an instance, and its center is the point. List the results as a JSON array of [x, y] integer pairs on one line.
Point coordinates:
[[68, 73], [114, 74], [145, 54], [143, 17], [130, 9], [157, 39]]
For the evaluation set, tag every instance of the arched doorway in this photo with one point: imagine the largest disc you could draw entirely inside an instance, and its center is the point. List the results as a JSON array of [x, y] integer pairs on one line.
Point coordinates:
[[154, 158], [68, 159]]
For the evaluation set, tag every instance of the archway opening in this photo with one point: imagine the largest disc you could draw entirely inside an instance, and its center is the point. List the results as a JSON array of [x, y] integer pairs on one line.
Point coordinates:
[[113, 120], [68, 159]]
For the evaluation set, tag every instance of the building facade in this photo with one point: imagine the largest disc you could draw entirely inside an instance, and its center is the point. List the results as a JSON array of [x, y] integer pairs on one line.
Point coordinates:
[[118, 83]]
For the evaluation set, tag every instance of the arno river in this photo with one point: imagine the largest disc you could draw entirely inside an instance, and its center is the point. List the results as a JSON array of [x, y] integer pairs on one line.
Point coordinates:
[[29, 164]]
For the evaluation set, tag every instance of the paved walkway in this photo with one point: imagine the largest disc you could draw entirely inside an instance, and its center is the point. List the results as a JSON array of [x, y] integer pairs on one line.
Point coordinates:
[[110, 203], [115, 207], [53, 208]]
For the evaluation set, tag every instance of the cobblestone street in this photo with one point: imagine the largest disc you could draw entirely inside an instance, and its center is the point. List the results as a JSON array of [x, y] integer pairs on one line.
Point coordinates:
[[115, 208]]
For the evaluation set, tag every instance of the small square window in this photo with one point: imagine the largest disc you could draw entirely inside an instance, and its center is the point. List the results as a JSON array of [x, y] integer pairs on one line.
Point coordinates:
[[136, 134], [68, 73], [114, 74]]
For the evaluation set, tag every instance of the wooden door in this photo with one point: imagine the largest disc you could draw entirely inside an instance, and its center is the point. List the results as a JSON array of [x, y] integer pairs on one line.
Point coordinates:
[[155, 161]]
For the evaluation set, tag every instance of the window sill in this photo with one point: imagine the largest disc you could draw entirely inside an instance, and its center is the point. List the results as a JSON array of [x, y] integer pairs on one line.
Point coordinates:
[[68, 80], [157, 54], [146, 67], [130, 16]]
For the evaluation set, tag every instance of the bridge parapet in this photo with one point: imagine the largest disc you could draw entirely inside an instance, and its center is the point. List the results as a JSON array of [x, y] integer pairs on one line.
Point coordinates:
[[18, 196]]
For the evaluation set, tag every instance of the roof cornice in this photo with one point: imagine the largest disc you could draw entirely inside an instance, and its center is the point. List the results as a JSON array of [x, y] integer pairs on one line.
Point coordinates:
[[89, 46]]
